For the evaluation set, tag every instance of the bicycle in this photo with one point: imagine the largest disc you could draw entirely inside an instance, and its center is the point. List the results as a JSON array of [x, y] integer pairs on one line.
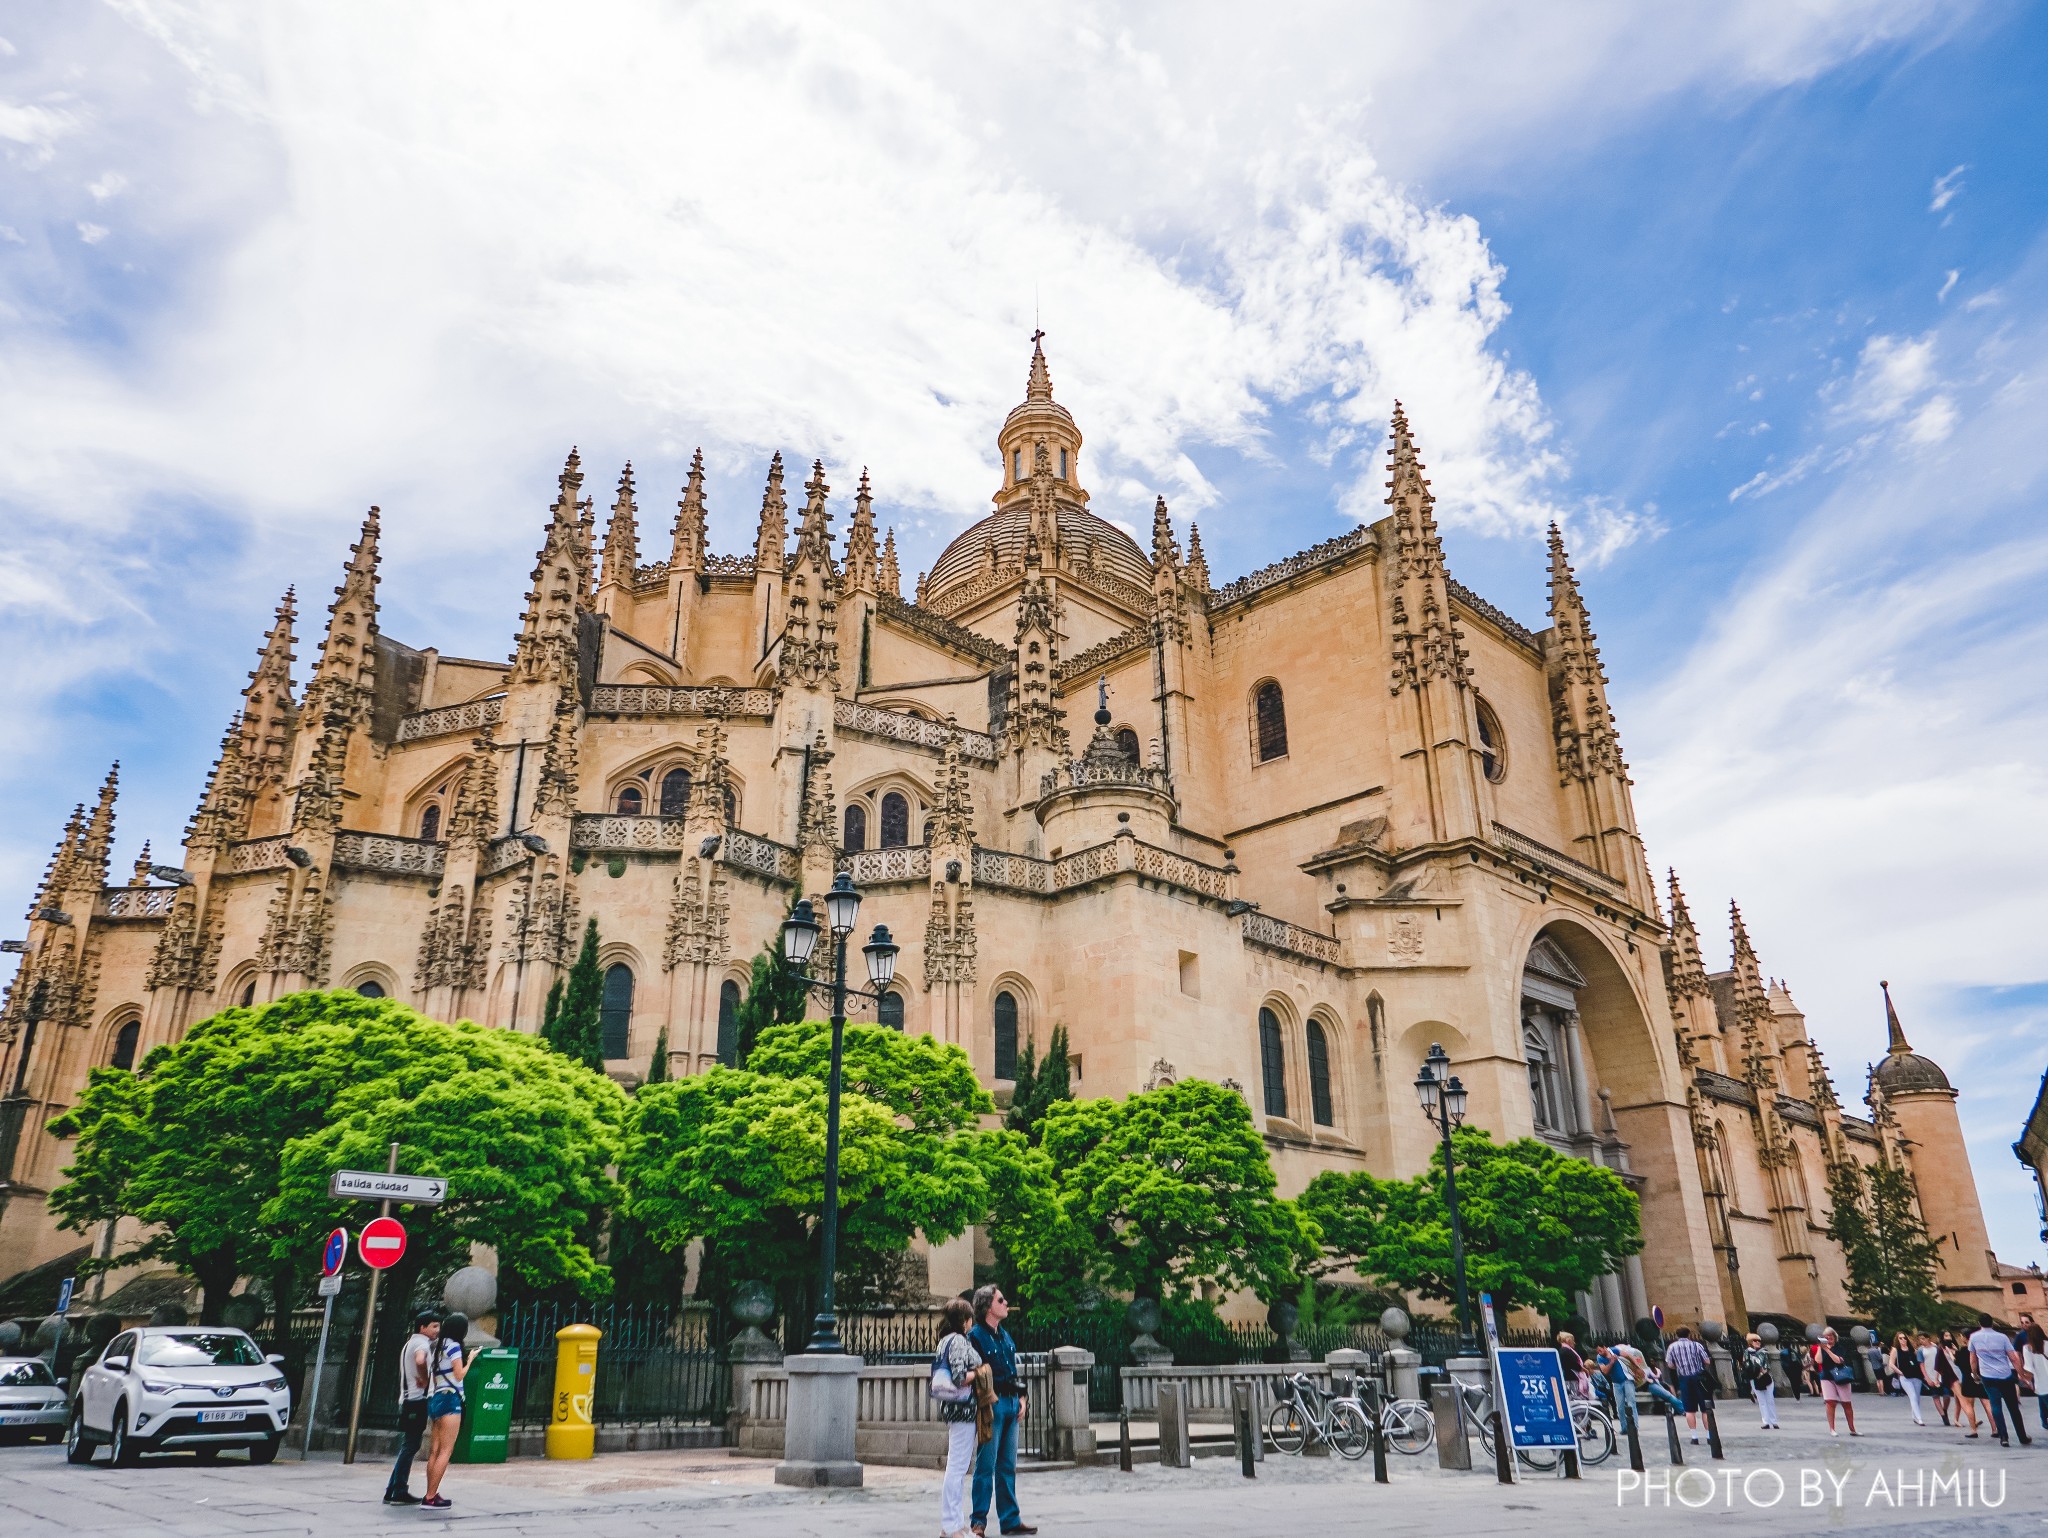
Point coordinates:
[[1595, 1431], [1408, 1425], [1306, 1412]]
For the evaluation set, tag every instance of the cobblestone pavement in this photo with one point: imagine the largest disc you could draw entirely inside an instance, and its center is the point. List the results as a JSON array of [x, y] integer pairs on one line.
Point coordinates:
[[1829, 1485]]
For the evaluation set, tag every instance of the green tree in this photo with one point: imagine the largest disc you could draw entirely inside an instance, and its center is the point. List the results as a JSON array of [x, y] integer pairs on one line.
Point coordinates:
[[1156, 1195], [774, 997], [575, 1028], [1040, 1085], [222, 1145], [1892, 1262], [1539, 1225], [735, 1157], [657, 1066]]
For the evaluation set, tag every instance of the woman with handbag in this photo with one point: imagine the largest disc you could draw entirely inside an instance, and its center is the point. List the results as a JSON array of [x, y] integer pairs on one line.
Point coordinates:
[[1837, 1380], [1763, 1383], [955, 1367], [1904, 1366]]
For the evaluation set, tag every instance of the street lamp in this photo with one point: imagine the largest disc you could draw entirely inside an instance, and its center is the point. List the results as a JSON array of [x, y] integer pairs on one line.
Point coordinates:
[[800, 933], [1443, 1100]]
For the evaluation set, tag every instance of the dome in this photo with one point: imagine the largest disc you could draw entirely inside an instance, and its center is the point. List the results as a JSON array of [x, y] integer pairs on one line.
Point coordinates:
[[1115, 553], [1902, 1071]]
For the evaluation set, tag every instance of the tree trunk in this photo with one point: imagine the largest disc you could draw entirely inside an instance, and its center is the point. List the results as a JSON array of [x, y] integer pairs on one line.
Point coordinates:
[[216, 1275]]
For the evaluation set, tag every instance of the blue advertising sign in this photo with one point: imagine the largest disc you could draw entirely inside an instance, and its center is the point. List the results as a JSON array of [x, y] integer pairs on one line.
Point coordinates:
[[1533, 1397]]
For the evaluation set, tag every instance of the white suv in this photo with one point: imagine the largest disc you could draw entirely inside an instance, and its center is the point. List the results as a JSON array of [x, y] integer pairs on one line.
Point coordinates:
[[163, 1389]]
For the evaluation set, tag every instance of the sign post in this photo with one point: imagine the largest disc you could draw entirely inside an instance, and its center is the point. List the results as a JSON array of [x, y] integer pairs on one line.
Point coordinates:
[[1506, 1467], [332, 1256], [355, 1397], [64, 1291], [382, 1243]]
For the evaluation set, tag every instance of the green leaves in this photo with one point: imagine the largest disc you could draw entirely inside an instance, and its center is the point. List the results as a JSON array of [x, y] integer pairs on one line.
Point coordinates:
[[1893, 1265], [574, 1022], [1039, 1086], [1539, 1225], [1157, 1194]]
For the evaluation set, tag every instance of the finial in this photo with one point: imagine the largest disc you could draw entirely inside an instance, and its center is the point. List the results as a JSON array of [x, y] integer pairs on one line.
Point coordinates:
[[1039, 386], [1102, 700], [1891, 1020]]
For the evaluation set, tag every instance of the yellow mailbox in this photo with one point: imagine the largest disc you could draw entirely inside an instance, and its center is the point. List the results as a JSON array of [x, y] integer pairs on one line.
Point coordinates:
[[570, 1432]]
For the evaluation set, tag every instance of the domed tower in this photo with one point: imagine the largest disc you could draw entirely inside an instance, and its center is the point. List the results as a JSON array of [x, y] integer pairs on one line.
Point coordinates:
[[1913, 1092]]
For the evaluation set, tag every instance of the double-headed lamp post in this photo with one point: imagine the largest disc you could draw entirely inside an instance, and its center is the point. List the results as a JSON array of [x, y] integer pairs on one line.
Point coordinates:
[[800, 933], [1443, 1102]]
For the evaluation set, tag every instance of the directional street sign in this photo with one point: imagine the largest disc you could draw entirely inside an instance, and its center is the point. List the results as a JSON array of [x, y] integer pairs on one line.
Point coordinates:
[[382, 1243], [376, 1186], [335, 1252], [64, 1294]]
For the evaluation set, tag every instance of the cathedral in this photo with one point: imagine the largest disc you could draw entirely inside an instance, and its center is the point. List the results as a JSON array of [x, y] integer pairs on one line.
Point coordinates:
[[1284, 833]]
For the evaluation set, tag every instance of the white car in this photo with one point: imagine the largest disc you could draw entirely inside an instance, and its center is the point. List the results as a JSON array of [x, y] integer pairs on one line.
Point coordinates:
[[194, 1388], [31, 1401]]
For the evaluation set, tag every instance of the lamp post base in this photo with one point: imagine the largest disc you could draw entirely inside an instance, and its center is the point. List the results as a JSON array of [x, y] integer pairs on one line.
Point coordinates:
[[818, 1430]]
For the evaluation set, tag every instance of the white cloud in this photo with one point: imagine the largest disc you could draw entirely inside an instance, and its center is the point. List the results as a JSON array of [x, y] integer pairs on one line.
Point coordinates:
[[92, 234], [1947, 188], [1948, 283], [109, 184], [35, 126]]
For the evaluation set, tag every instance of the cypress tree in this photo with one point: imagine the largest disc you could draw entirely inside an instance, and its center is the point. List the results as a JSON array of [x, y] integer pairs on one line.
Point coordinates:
[[579, 1020], [1041, 1083], [1891, 1260], [657, 1069]]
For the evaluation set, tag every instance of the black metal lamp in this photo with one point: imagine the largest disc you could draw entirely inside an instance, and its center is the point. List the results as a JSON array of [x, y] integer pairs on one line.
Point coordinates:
[[799, 935], [881, 953]]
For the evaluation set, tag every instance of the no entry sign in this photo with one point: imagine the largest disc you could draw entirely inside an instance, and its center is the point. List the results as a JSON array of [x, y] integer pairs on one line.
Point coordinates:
[[382, 1244], [334, 1252]]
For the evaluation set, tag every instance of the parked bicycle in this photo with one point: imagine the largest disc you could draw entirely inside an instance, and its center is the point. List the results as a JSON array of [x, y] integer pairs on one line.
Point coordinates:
[[1408, 1425], [1306, 1412], [1596, 1436]]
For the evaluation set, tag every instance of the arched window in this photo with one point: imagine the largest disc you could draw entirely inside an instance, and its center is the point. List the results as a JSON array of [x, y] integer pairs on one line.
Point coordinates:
[[856, 829], [729, 1023], [675, 793], [1319, 1076], [616, 1013], [895, 821], [1006, 1035], [889, 1010], [1272, 1063], [1063, 464], [1128, 741], [370, 988], [124, 1044], [430, 822], [1271, 712], [631, 802], [1016, 464], [1493, 744], [249, 994], [732, 808]]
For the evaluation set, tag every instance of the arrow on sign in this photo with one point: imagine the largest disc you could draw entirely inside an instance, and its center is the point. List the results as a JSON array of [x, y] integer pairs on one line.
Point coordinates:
[[376, 1186]]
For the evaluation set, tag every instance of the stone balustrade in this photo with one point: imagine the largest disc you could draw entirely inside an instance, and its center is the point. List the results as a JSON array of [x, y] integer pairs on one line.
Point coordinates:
[[135, 902], [389, 854], [250, 855], [902, 726], [1278, 934], [663, 700], [897, 1420], [446, 720], [876, 867]]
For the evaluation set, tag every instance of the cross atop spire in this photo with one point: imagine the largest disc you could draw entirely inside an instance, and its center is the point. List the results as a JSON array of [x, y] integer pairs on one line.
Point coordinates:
[[348, 654], [1039, 386]]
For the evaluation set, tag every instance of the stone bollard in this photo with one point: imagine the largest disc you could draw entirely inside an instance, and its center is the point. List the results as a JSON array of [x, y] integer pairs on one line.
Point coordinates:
[[1452, 1450], [1174, 1451], [1402, 1369], [1244, 1422], [818, 1441], [1073, 1436], [1347, 1367]]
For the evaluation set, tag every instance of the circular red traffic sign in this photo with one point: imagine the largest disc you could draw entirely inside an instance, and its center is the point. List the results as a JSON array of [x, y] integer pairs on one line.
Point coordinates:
[[335, 1252], [382, 1243]]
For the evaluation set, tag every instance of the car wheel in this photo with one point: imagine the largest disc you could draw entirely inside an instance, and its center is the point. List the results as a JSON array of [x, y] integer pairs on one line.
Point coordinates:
[[78, 1442], [264, 1451], [125, 1452]]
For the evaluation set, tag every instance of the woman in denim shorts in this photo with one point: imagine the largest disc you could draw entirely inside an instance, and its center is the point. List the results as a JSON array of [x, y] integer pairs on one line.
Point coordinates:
[[449, 1367]]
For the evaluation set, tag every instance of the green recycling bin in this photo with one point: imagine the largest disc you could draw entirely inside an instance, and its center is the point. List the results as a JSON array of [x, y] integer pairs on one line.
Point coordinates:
[[487, 1407]]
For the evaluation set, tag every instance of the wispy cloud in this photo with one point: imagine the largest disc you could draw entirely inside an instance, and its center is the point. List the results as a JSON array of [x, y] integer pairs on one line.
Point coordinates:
[[1947, 188]]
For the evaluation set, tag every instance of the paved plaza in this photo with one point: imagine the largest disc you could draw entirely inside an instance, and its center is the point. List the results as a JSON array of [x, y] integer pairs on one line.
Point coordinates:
[[1828, 1485]]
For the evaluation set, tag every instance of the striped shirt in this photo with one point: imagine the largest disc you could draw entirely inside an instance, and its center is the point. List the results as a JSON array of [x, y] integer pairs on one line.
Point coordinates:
[[1687, 1356]]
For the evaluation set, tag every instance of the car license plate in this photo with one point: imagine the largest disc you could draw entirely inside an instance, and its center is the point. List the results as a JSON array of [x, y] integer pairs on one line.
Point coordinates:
[[19, 1420], [208, 1417]]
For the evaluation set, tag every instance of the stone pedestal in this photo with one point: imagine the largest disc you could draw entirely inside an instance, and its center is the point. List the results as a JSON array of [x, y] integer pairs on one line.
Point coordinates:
[[1476, 1370], [1175, 1452], [1452, 1450], [1347, 1369], [751, 1353], [1147, 1352], [818, 1435], [1073, 1436], [1403, 1370], [1724, 1370]]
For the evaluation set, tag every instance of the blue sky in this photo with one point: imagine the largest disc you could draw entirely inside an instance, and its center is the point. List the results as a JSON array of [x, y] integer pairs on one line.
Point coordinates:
[[1751, 297]]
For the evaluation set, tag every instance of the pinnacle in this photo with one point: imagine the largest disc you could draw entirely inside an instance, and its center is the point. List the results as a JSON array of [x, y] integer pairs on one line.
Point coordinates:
[[1164, 552], [1038, 387], [1893, 1027]]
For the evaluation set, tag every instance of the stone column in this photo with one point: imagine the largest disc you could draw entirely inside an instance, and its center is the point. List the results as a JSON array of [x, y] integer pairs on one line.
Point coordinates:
[[818, 1444], [1403, 1370], [750, 1353], [1575, 1067], [1347, 1366], [1073, 1436]]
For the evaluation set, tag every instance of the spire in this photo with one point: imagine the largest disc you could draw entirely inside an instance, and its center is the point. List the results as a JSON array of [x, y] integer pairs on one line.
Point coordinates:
[[547, 630], [1198, 563], [860, 540], [473, 819], [622, 534], [1427, 643], [773, 532], [951, 820], [267, 708], [347, 668], [891, 580], [1891, 1022], [1688, 971], [63, 860], [687, 550], [818, 822], [1419, 550], [1587, 742], [98, 845], [221, 815], [1045, 519], [1752, 1007], [810, 636], [139, 876], [712, 784], [1165, 553], [1039, 386], [814, 536]]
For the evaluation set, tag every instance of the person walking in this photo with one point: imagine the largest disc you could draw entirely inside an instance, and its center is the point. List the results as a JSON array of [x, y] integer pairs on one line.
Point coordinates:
[[1837, 1380], [444, 1405], [1935, 1373], [953, 1368], [1968, 1388], [1763, 1383], [1902, 1363], [1998, 1365], [1688, 1358], [414, 1362], [1615, 1371], [2034, 1361], [995, 1466]]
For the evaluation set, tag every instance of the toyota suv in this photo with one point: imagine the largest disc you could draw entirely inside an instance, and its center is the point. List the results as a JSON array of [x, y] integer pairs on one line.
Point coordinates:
[[197, 1389]]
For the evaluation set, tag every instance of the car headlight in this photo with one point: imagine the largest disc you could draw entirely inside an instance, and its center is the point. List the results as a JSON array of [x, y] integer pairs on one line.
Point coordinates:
[[276, 1385], [158, 1385]]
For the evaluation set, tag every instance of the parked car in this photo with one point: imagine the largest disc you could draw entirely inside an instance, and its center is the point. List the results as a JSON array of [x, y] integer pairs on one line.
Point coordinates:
[[195, 1388], [31, 1400]]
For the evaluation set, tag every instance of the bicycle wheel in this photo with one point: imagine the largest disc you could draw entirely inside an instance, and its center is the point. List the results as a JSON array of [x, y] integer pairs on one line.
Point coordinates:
[[1287, 1430], [1350, 1431], [1596, 1435], [1408, 1426]]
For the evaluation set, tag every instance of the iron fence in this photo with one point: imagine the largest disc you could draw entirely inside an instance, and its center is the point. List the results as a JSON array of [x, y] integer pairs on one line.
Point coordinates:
[[656, 1364]]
